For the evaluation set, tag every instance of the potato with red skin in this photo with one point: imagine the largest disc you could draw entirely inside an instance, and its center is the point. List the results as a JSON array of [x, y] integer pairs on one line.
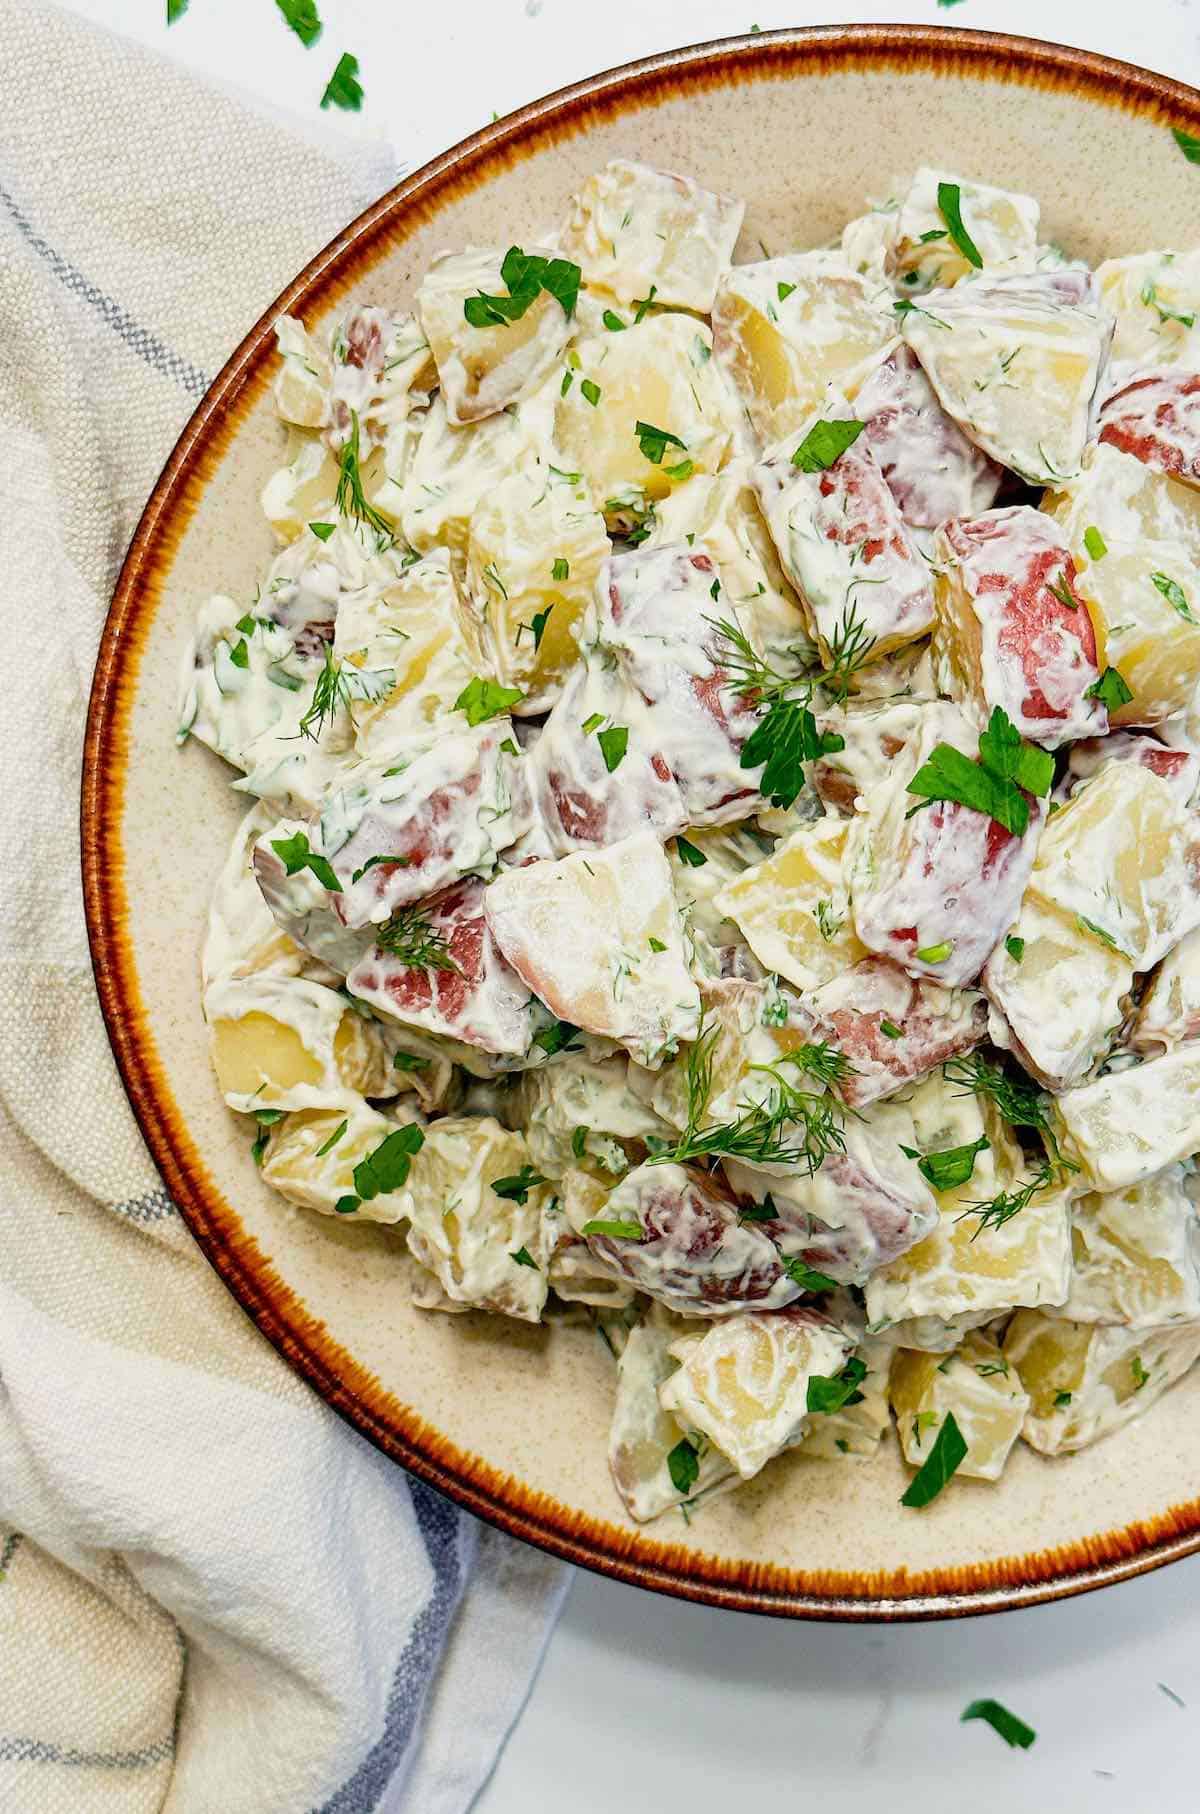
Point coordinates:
[[946, 880], [1157, 419], [1006, 634], [693, 1255], [932, 470], [893, 1027], [656, 609], [445, 812], [1180, 769], [481, 1002]]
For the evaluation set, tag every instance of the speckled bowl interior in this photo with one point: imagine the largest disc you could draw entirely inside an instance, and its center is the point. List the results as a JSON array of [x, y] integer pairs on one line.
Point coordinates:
[[512, 1420]]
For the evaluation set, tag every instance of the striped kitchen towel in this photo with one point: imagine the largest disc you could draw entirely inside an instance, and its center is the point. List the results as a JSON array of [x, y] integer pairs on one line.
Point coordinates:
[[214, 1597]]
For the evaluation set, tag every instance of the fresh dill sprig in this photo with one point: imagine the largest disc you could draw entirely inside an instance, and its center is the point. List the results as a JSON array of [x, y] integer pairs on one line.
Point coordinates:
[[350, 497], [994, 1212], [750, 674], [849, 650], [820, 1060], [329, 691], [1019, 1102], [410, 938]]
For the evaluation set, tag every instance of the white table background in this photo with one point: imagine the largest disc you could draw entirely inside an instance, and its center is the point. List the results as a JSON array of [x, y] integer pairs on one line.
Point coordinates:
[[644, 1703]]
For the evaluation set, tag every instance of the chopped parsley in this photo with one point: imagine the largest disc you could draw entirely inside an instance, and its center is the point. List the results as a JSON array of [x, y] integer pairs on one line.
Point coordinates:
[[613, 322], [797, 1269], [615, 1230], [1012, 1730], [1061, 1400], [683, 1465], [239, 654], [613, 744], [303, 18], [1188, 144], [950, 1168], [561, 569], [374, 863], [525, 276], [556, 1038], [949, 201], [1174, 594], [1015, 947], [654, 442], [829, 1395], [579, 1142], [409, 1061], [591, 391], [783, 742], [1138, 1368], [655, 944], [322, 531], [992, 785], [343, 88], [1112, 690], [690, 854], [888, 1028], [523, 1257], [947, 1454], [1150, 298], [332, 1140], [384, 1170], [295, 855], [517, 1188], [482, 699], [784, 290], [826, 442]]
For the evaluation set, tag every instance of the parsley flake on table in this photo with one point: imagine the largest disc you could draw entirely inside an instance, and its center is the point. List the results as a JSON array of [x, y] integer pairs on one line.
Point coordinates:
[[1012, 1730], [343, 88], [303, 18], [944, 1458], [993, 784], [826, 442], [949, 201], [1188, 144]]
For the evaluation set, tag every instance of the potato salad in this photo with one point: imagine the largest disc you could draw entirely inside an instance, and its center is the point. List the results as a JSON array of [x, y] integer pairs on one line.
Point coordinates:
[[720, 738]]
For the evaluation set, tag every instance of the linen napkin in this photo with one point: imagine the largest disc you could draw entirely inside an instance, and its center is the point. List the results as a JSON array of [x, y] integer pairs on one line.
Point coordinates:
[[215, 1598]]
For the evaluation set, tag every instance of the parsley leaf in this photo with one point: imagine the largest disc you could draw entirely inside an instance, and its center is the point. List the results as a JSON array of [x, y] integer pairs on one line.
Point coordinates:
[[176, 10], [1112, 690], [613, 744], [525, 275], [518, 1187], [689, 854], [783, 742], [384, 1170], [889, 1029], [523, 1257], [409, 1061], [343, 88], [239, 654], [946, 1455], [797, 1270], [829, 1395], [654, 442], [1012, 1730], [322, 531], [303, 18], [295, 855], [1015, 947], [591, 391], [482, 699], [993, 784], [949, 201], [613, 322], [948, 1169], [824, 443], [557, 1038], [784, 290], [683, 1465], [374, 863], [1174, 594], [1188, 144]]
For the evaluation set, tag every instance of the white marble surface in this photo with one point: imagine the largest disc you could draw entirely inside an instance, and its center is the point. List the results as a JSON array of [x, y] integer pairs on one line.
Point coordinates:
[[646, 1703]]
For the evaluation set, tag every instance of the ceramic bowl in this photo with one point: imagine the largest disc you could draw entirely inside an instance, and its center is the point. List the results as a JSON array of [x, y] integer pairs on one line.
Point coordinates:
[[508, 1419]]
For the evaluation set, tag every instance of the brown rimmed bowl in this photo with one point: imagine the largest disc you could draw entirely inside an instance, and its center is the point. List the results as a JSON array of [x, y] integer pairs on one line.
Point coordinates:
[[506, 1419]]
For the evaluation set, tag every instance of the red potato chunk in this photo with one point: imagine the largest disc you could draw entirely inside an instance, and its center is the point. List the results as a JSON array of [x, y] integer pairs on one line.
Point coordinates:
[[1157, 419], [481, 1002], [843, 543], [1005, 638], [1180, 769], [447, 812], [579, 803], [937, 891], [932, 470], [693, 1254], [925, 1025], [657, 609]]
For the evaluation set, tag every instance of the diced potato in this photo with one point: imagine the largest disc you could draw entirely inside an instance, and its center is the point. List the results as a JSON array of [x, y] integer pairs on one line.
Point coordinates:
[[643, 1435], [1157, 419], [482, 370], [643, 233], [785, 329], [934, 890], [435, 815], [302, 907], [873, 735], [932, 470], [244, 704], [579, 801], [301, 388], [452, 468], [1180, 768], [843, 543], [471, 996], [857, 1429], [1124, 857], [279, 1042], [659, 372], [720, 512], [864, 1205], [575, 1276], [1148, 525], [1002, 224], [744, 1384], [977, 1386], [1155, 297], [892, 1027], [746, 1025], [1062, 997], [580, 1111], [867, 241], [242, 937], [1086, 1380], [727, 852], [1169, 1014], [412, 628], [938, 1334], [962, 1267], [1137, 1254], [579, 933], [311, 1156], [467, 1234], [304, 488], [526, 530], [692, 1254], [1015, 362], [654, 616], [1132, 1123], [1004, 638], [793, 908]]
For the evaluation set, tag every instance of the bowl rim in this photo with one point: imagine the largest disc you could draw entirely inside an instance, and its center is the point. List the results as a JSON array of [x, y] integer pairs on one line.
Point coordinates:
[[589, 1542]]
